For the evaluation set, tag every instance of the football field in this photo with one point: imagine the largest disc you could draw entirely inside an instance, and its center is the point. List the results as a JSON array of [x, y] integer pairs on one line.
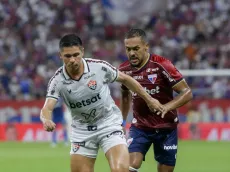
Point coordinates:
[[193, 156]]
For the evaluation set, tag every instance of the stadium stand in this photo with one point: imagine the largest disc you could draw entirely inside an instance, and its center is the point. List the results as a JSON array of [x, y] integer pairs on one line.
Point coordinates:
[[193, 34]]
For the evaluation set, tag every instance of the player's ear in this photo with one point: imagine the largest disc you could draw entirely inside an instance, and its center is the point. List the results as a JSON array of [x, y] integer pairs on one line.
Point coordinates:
[[82, 50], [60, 55]]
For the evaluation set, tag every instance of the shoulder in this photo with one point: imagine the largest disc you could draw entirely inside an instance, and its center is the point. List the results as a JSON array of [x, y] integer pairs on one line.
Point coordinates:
[[58, 76], [124, 66], [161, 61], [98, 63]]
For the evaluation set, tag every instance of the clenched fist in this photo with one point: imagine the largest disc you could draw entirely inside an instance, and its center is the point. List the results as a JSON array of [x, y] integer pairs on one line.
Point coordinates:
[[48, 125]]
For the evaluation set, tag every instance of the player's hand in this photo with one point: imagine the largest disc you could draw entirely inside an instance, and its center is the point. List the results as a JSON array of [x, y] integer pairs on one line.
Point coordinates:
[[155, 106], [166, 109], [48, 125]]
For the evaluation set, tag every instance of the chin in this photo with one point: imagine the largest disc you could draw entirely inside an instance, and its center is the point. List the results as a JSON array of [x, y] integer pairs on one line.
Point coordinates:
[[135, 64]]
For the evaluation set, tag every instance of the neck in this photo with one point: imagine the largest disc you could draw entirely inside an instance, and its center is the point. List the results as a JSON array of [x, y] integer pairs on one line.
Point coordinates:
[[144, 61]]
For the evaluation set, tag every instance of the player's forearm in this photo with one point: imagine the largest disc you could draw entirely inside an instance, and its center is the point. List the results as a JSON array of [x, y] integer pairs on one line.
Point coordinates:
[[134, 86], [45, 114], [184, 97]]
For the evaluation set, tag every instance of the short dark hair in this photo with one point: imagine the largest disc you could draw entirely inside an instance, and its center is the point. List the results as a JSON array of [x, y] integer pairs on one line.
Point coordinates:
[[136, 33], [70, 40]]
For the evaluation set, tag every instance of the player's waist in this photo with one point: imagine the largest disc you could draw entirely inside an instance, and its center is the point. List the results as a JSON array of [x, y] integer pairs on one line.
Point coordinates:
[[92, 127], [157, 127]]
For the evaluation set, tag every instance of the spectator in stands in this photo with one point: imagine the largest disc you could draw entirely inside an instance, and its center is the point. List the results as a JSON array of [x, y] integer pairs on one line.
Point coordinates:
[[195, 34]]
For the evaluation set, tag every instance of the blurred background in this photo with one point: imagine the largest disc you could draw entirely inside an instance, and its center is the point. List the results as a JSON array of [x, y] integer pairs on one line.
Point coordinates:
[[193, 34]]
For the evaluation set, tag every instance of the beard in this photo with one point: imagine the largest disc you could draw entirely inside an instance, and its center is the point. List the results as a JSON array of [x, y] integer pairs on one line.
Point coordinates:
[[135, 62]]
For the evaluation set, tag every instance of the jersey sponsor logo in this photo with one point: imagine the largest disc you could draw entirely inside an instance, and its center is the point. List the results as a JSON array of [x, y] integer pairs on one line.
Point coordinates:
[[92, 128], [89, 76], [151, 92], [92, 114], [152, 78], [115, 133], [67, 82], [128, 72], [76, 146], [168, 76], [138, 77], [92, 84], [152, 69], [84, 103], [93, 119], [173, 147]]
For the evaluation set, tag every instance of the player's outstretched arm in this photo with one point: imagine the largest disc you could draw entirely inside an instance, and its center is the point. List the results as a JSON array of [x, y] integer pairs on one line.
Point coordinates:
[[46, 114], [184, 96], [134, 86]]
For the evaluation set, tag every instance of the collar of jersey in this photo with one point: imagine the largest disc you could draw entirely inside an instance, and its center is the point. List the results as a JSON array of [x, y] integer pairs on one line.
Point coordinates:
[[86, 69]]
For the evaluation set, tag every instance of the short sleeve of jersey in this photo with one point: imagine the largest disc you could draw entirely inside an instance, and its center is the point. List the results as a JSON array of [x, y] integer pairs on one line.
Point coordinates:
[[123, 87], [111, 72], [53, 89], [171, 73]]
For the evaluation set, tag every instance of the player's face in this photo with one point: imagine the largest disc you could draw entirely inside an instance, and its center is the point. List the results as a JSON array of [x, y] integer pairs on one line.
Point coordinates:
[[72, 57], [136, 50]]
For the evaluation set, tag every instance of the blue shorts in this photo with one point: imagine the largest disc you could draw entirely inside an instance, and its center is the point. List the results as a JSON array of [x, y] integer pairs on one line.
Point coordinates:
[[164, 143]]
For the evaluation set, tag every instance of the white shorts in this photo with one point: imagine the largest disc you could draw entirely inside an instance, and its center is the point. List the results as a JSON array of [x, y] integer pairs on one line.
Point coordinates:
[[87, 143]]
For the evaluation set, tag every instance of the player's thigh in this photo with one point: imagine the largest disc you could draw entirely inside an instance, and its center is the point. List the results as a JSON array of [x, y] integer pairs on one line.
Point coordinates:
[[84, 143], [165, 149], [113, 143], [81, 163], [138, 145], [118, 158]]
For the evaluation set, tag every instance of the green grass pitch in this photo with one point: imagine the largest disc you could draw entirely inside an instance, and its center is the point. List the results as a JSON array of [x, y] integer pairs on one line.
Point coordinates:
[[193, 156]]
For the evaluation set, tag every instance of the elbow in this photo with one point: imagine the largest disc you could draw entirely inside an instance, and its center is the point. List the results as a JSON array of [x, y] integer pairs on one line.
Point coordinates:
[[189, 95]]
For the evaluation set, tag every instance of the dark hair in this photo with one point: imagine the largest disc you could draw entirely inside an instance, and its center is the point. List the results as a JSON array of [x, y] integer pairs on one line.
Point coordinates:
[[70, 40], [136, 33]]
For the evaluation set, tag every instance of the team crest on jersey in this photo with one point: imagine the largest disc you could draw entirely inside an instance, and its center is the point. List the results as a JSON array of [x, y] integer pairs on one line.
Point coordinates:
[[92, 84], [152, 78], [129, 141], [76, 146]]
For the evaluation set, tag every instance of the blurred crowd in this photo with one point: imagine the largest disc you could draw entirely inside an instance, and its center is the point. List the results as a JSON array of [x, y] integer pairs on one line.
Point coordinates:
[[193, 34]]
